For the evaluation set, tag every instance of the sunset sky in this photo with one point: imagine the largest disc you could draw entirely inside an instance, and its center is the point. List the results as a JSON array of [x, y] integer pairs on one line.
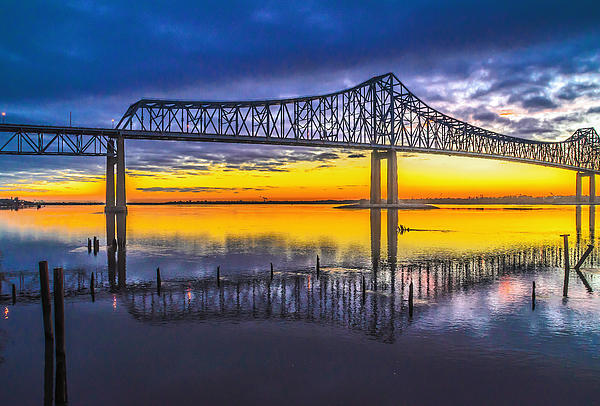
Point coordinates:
[[513, 67]]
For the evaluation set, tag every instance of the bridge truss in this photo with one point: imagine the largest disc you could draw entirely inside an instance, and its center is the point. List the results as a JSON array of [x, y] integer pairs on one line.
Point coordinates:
[[18, 139], [380, 113]]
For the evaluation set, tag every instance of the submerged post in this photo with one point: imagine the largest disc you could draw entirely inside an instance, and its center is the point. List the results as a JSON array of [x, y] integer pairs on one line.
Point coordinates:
[[577, 266], [318, 267], [364, 288], [410, 299], [59, 325], [92, 288], [45, 298], [566, 264], [271, 271], [218, 275], [533, 296], [14, 294], [158, 281]]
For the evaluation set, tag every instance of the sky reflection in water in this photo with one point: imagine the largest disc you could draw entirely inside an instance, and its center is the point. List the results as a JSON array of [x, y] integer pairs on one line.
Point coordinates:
[[344, 336]]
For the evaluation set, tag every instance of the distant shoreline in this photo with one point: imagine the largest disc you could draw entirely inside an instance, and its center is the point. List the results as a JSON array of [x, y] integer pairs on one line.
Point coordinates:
[[483, 201]]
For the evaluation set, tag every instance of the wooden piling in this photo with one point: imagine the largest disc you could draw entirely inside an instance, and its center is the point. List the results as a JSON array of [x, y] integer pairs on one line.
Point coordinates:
[[364, 288], [410, 299], [92, 288], [566, 256], [271, 271], [533, 296], [158, 281], [587, 252], [14, 294], [59, 325], [45, 298], [218, 275], [48, 373], [318, 267], [89, 245]]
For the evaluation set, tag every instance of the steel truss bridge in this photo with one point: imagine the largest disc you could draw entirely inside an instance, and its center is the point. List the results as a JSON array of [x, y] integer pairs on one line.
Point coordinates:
[[379, 114]]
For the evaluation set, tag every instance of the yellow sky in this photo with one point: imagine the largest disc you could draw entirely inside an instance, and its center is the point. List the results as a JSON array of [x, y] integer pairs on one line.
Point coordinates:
[[420, 175]]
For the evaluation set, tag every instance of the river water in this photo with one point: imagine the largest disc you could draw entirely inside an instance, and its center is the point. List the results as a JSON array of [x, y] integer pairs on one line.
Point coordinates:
[[343, 335]]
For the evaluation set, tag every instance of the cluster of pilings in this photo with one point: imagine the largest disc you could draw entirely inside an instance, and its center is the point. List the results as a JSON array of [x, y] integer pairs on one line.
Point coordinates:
[[53, 337]]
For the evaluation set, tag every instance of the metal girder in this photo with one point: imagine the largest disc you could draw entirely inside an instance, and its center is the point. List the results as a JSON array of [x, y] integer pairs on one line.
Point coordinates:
[[379, 113], [16, 139]]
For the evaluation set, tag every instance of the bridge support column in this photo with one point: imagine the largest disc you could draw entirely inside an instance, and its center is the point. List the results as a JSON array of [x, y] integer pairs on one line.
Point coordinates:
[[592, 188], [392, 177], [121, 199], [578, 187], [110, 177], [375, 178]]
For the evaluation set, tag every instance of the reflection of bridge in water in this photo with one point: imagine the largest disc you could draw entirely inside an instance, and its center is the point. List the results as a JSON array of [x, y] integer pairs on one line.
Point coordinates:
[[371, 300]]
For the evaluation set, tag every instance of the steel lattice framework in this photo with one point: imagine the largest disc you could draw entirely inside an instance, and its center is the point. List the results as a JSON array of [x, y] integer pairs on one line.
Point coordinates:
[[380, 113], [20, 139]]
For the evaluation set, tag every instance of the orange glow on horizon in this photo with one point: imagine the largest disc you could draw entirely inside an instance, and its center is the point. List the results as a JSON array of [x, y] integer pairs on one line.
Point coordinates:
[[420, 176]]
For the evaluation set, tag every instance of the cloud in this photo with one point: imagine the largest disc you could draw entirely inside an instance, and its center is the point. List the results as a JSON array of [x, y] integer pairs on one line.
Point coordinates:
[[538, 103], [197, 189]]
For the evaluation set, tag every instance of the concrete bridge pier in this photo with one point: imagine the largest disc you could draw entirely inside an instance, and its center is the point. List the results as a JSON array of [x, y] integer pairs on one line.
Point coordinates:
[[392, 177], [592, 194], [117, 160], [110, 177], [121, 206]]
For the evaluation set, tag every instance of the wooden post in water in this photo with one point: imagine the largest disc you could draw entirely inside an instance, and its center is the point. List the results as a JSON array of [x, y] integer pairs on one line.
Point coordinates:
[[219, 275], [566, 256], [14, 294], [271, 271], [410, 299], [92, 291], [318, 267], [45, 298], [158, 281], [59, 325], [364, 288], [533, 296], [89, 245]]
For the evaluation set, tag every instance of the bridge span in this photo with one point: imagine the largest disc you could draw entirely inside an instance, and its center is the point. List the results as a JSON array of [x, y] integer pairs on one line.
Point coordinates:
[[381, 115]]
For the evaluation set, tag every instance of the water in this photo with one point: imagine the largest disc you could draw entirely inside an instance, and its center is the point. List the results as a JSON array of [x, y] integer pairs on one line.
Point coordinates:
[[343, 336]]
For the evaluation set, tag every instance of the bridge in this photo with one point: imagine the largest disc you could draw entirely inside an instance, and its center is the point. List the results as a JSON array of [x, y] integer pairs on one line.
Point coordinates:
[[380, 115]]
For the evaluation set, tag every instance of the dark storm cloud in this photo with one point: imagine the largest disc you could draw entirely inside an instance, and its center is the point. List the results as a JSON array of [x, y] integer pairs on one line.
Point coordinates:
[[92, 48], [571, 91], [538, 102]]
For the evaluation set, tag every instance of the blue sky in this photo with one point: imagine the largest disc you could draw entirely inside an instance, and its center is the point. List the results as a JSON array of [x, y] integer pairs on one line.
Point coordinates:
[[537, 63]]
